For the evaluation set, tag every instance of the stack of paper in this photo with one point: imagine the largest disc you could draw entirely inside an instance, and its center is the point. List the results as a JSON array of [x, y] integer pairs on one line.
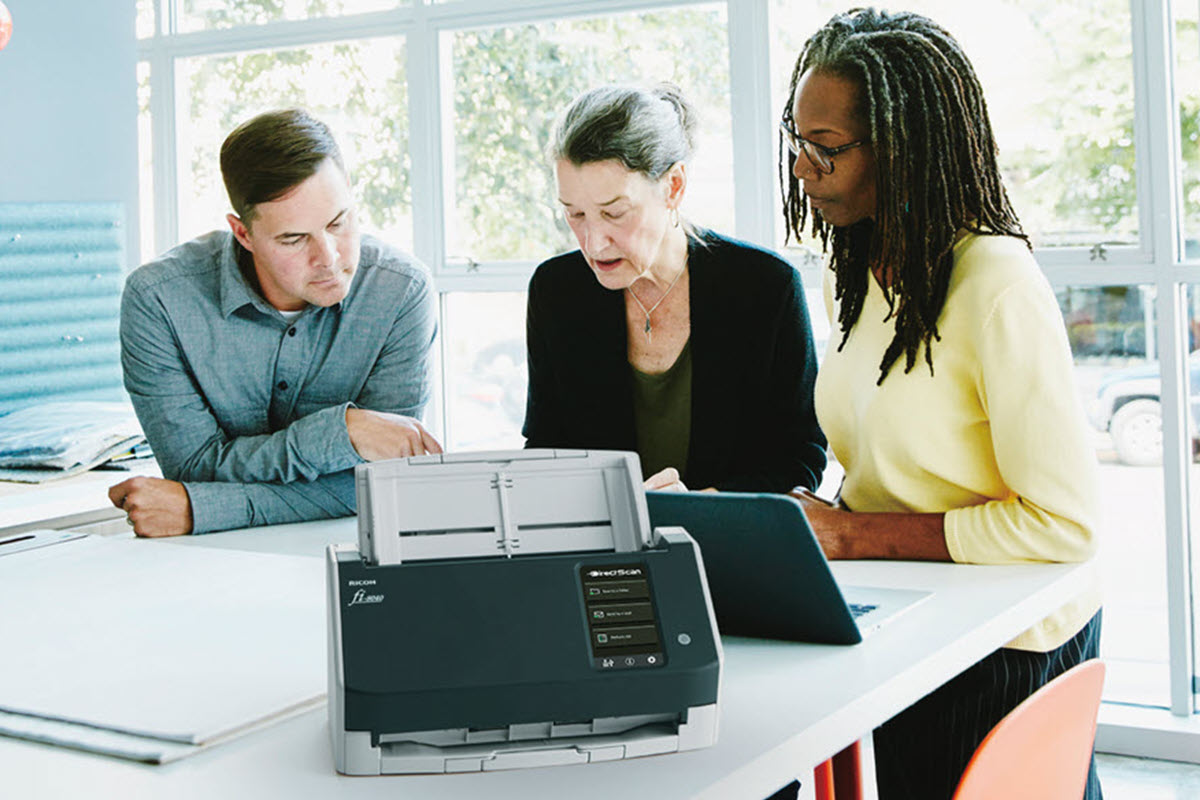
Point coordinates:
[[54, 440], [146, 650]]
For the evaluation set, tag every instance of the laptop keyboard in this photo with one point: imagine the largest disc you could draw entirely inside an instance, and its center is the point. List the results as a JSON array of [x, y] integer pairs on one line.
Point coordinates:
[[858, 609]]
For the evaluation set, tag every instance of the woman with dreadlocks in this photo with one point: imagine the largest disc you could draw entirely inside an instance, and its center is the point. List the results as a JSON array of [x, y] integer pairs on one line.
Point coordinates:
[[947, 395]]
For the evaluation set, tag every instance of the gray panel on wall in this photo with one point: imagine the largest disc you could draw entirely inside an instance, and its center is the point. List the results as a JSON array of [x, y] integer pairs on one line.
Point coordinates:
[[61, 273]]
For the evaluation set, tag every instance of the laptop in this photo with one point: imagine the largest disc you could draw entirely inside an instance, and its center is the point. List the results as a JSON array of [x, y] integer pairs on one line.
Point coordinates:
[[766, 572]]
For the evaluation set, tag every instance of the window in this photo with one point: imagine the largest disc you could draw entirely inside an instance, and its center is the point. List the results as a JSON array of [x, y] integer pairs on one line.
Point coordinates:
[[358, 88], [510, 83], [1111, 331], [1058, 78], [200, 15], [1187, 89], [146, 21], [146, 161], [486, 375], [445, 107]]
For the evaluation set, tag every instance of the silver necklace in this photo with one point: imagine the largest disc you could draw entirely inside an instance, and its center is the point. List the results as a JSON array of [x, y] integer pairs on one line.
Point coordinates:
[[647, 329]]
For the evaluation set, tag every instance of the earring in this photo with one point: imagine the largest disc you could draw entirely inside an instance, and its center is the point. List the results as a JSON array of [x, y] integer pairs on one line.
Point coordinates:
[[675, 217]]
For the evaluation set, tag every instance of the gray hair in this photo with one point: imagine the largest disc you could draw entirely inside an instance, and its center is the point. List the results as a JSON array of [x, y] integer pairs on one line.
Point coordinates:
[[647, 130]]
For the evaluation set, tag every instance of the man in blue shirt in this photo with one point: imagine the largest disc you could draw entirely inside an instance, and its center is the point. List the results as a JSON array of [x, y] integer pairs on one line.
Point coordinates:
[[265, 362]]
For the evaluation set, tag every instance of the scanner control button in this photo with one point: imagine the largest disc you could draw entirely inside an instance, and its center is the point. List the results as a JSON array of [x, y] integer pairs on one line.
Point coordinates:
[[617, 590], [618, 613], [626, 636], [635, 661]]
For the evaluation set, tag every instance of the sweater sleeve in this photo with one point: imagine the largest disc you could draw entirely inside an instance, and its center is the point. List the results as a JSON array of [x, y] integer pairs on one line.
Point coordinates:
[[1025, 380]]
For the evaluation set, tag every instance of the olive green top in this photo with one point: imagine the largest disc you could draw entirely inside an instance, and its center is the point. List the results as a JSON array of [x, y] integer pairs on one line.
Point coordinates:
[[662, 412]]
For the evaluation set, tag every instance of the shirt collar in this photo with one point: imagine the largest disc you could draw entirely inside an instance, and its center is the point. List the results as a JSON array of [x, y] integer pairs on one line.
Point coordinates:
[[236, 292]]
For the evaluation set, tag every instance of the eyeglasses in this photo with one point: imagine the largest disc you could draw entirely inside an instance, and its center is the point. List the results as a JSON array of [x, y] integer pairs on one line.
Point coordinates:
[[820, 156]]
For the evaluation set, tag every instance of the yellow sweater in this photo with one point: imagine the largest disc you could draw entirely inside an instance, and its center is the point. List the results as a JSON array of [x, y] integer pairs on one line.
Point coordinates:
[[994, 438]]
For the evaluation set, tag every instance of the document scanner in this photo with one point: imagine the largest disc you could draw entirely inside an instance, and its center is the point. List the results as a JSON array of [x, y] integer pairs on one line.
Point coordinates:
[[514, 609]]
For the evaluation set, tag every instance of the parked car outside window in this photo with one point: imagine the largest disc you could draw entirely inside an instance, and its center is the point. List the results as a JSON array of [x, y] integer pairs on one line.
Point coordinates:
[[1128, 406]]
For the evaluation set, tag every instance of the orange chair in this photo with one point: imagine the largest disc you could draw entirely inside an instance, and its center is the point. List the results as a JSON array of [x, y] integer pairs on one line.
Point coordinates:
[[1041, 750], [840, 778]]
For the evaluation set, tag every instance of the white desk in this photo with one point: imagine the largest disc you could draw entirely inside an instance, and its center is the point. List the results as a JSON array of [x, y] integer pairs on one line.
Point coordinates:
[[784, 706]]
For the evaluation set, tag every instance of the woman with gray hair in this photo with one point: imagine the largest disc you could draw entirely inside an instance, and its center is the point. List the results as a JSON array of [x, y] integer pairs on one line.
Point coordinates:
[[657, 336]]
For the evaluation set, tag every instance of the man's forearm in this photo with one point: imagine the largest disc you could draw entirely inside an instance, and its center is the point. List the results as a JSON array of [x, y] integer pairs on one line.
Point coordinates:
[[191, 446], [226, 506]]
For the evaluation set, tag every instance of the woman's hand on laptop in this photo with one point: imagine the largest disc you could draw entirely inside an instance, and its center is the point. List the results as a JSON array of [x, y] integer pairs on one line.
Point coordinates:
[[828, 522], [900, 535], [806, 495]]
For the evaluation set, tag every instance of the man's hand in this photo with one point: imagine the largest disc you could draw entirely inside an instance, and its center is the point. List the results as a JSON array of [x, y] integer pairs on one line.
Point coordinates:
[[666, 480], [153, 506], [377, 435]]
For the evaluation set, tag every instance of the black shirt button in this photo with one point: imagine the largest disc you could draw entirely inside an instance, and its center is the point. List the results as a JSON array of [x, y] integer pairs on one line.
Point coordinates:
[[282, 386], [291, 331]]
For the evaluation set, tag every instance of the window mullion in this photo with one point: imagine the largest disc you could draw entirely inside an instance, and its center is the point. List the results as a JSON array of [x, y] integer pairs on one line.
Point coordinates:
[[164, 156], [428, 185], [425, 144], [751, 106], [1156, 145]]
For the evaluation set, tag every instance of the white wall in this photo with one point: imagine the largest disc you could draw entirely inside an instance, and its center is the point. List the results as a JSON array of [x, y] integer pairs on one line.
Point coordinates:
[[68, 105]]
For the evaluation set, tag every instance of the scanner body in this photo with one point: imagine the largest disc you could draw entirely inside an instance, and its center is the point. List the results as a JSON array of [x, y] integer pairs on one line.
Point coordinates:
[[510, 609]]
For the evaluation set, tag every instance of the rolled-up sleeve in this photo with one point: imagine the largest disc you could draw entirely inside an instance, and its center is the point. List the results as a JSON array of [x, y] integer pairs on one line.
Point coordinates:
[[228, 506]]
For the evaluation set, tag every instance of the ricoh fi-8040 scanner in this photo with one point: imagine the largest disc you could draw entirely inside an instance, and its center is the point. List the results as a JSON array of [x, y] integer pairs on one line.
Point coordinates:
[[513, 609]]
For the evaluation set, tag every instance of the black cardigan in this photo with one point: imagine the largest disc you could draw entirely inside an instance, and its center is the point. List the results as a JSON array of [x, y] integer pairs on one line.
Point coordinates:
[[753, 367]]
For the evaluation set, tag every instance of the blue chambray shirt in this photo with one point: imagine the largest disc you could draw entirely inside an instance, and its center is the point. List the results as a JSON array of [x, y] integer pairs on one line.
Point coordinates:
[[247, 409]]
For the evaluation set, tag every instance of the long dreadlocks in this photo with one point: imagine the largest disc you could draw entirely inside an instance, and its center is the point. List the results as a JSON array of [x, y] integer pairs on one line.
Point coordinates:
[[936, 168]]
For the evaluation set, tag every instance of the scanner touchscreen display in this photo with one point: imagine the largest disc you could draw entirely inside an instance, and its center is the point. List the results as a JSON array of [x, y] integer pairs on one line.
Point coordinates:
[[622, 622]]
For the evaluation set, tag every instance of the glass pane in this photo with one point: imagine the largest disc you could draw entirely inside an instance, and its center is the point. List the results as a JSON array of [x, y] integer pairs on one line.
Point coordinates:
[[199, 15], [1187, 88], [1111, 332], [486, 376], [357, 88], [145, 164], [509, 85], [145, 18], [1062, 110]]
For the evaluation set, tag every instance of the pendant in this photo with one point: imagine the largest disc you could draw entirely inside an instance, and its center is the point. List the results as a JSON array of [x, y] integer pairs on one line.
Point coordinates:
[[647, 329]]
